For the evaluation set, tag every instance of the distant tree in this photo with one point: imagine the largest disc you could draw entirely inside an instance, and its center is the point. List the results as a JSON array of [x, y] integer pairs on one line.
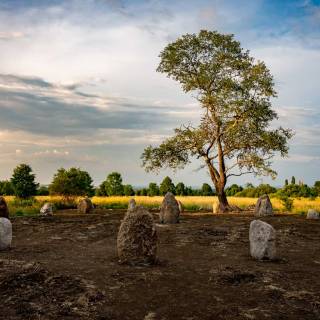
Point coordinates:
[[144, 192], [128, 190], [206, 190], [188, 191], [153, 189], [317, 187], [6, 188], [167, 186], [23, 182], [293, 180], [233, 189], [286, 182], [112, 186], [180, 189], [235, 92], [43, 191], [72, 182]]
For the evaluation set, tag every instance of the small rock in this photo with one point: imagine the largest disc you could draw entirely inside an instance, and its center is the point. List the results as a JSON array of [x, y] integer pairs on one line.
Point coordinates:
[[263, 206], [313, 214], [262, 238], [5, 233], [47, 209], [137, 238], [181, 207], [4, 212], [85, 205], [169, 212], [132, 204]]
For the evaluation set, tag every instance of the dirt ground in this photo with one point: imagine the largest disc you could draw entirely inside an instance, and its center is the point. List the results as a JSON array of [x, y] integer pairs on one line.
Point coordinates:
[[66, 267]]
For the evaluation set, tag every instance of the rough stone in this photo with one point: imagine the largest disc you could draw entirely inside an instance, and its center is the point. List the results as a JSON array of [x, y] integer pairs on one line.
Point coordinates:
[[47, 209], [4, 212], [313, 214], [264, 206], [169, 211], [262, 238], [137, 238], [132, 204], [181, 207], [5, 233], [85, 205]]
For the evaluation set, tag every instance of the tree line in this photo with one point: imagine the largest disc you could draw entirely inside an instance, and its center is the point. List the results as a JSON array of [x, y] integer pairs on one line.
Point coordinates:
[[77, 182]]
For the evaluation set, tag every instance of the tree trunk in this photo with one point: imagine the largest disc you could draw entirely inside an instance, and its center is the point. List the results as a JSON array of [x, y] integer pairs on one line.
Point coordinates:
[[223, 201]]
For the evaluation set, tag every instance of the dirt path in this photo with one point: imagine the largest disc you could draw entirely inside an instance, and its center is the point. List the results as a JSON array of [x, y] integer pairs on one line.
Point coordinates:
[[66, 268]]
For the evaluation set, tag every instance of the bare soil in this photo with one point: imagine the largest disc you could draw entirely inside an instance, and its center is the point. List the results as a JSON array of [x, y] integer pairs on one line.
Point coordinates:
[[66, 267]]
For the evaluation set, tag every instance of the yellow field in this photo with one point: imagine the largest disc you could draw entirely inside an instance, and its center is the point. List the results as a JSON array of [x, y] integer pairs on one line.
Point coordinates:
[[190, 203]]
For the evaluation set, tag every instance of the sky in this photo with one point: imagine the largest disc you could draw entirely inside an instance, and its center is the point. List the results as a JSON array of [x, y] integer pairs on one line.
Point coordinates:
[[79, 87]]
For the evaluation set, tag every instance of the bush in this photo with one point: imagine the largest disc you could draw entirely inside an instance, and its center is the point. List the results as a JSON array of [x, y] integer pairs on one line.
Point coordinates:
[[287, 202]]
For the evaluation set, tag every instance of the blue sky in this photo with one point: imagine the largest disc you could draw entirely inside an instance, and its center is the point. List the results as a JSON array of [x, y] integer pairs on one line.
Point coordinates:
[[78, 85]]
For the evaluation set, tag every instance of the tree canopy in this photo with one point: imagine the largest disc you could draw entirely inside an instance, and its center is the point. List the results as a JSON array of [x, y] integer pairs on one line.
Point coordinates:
[[234, 92], [23, 181]]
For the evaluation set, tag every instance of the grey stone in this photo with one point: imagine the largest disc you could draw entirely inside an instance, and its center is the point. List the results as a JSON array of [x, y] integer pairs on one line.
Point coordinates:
[[262, 238], [313, 214], [137, 238], [132, 204], [4, 212], [47, 209], [85, 206], [169, 211], [263, 207], [5, 233]]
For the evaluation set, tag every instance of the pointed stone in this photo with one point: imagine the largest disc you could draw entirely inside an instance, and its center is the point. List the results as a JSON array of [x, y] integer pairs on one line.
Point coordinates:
[[263, 207], [5, 233], [169, 211]]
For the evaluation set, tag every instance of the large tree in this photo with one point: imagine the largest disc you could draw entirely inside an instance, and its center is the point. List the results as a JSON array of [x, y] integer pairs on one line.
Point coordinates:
[[23, 181], [234, 91]]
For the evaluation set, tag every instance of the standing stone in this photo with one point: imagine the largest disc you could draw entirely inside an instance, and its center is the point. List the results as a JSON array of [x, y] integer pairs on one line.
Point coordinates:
[[5, 233], [313, 214], [181, 207], [4, 212], [47, 209], [169, 211], [263, 207], [137, 238], [262, 238], [132, 204], [85, 205]]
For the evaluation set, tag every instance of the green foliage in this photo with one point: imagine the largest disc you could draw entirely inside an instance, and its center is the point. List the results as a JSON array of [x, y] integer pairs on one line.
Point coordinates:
[[206, 190], [255, 192], [72, 182], [112, 186], [317, 187], [287, 202], [295, 190], [167, 186], [43, 191], [153, 189], [6, 188], [128, 190], [233, 189], [23, 181], [293, 180], [180, 189], [234, 92], [286, 182]]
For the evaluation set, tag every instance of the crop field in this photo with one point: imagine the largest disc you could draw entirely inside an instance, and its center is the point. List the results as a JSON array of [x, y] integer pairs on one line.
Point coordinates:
[[194, 203]]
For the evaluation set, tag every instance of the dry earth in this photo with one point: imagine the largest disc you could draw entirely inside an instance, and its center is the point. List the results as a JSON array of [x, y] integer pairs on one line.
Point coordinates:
[[65, 267]]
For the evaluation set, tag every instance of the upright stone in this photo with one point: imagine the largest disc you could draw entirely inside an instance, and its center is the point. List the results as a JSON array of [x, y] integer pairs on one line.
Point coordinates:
[[169, 211], [264, 206], [85, 206], [262, 238], [4, 212], [137, 238], [5, 233], [132, 204], [47, 209], [313, 214], [181, 207]]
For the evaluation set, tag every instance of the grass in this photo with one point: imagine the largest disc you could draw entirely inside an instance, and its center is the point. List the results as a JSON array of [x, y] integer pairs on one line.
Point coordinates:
[[29, 207]]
